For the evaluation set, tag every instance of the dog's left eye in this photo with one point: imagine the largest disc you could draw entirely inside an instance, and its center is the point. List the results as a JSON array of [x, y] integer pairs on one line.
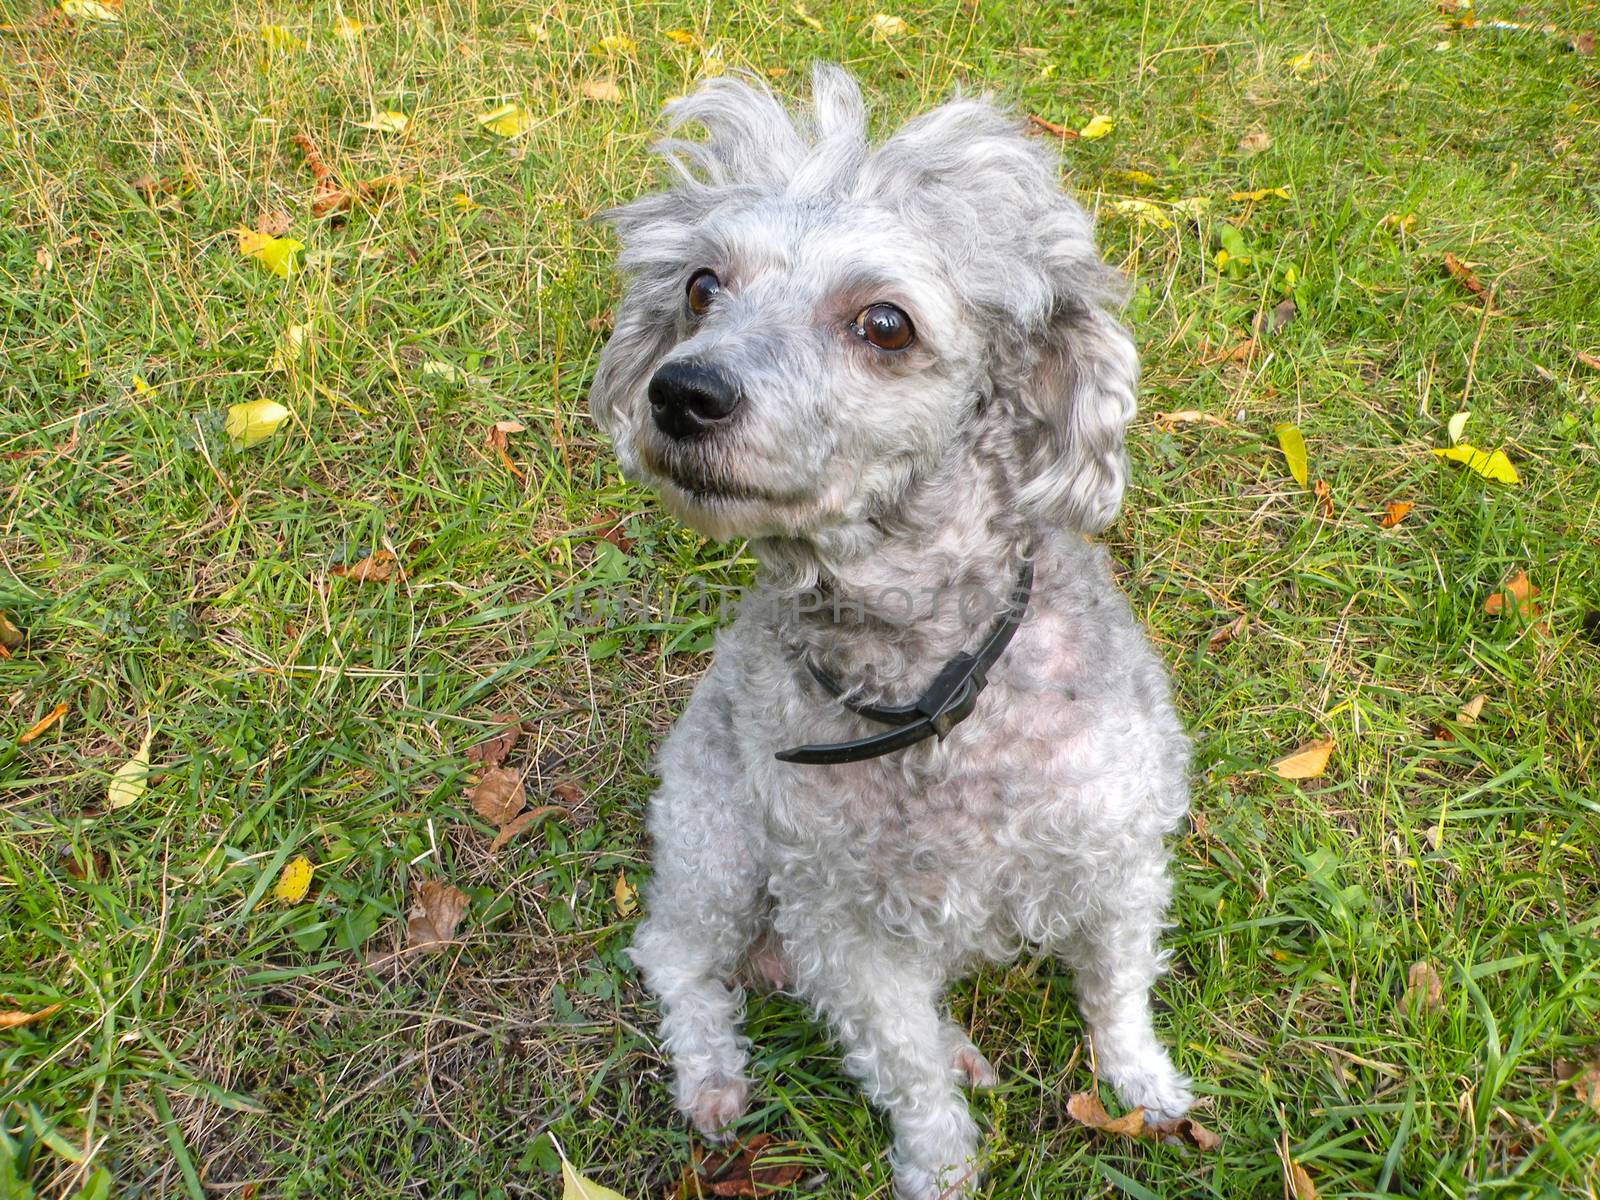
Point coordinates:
[[884, 326]]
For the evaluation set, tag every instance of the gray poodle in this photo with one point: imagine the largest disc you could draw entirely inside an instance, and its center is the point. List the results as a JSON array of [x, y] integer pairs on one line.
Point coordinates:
[[892, 369]]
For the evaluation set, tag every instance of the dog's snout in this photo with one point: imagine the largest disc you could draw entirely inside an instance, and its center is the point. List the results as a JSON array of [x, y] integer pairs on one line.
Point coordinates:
[[689, 398]]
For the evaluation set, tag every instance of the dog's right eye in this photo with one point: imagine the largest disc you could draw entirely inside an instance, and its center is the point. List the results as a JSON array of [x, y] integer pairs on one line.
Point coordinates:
[[703, 289]]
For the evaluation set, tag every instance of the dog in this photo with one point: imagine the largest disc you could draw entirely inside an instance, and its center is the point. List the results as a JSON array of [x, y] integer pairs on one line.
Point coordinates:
[[895, 370]]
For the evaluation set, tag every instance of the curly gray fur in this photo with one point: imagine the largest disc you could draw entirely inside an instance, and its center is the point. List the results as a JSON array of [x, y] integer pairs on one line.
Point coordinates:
[[1040, 821]]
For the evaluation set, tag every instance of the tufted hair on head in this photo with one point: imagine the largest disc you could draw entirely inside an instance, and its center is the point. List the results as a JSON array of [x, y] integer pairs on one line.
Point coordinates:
[[988, 205]]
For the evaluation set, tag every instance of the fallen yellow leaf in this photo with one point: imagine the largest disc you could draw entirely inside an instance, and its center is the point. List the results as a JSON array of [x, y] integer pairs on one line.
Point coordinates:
[[1302, 62], [575, 1187], [1456, 426], [387, 121], [884, 26], [1099, 125], [1294, 451], [507, 121], [291, 348], [280, 255], [625, 895], [253, 421], [91, 10], [1491, 464], [681, 36], [1143, 210], [1259, 194], [347, 28], [128, 784], [1142, 178], [278, 39], [294, 881], [617, 43], [805, 16], [1188, 416], [1308, 762], [604, 90]]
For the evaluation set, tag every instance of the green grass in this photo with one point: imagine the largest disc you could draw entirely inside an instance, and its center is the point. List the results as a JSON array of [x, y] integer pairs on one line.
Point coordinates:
[[212, 1041]]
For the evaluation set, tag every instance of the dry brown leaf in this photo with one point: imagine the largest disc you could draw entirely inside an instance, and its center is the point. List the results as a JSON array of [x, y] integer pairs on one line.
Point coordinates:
[[500, 433], [15, 1019], [1586, 1085], [1470, 710], [1521, 591], [1276, 318], [492, 753], [1462, 274], [97, 861], [274, 222], [1300, 1182], [1583, 44], [1040, 125], [43, 723], [380, 566], [1187, 416], [1394, 513], [611, 530], [500, 441], [1190, 1131], [1255, 142], [1226, 633], [534, 816], [1324, 495], [567, 792], [1589, 360], [1308, 762], [1239, 352], [1086, 1109], [436, 909], [498, 796], [740, 1171], [1424, 989]]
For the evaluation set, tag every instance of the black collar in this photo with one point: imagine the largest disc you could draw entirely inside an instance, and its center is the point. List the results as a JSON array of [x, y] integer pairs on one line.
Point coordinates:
[[948, 701]]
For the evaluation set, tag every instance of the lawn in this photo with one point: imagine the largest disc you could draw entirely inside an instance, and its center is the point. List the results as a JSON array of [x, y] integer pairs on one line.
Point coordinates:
[[203, 1036]]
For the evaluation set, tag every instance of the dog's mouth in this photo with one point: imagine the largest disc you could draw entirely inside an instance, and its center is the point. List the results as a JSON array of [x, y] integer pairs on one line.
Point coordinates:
[[701, 482]]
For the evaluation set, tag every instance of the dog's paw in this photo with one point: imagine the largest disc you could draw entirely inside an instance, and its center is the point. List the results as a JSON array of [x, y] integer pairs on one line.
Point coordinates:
[[715, 1103], [973, 1068], [1161, 1092]]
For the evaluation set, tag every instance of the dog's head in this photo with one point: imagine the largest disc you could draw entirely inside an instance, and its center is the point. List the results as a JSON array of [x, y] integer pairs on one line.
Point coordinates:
[[812, 325]]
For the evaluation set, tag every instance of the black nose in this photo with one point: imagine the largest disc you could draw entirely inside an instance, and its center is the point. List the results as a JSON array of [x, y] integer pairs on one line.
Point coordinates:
[[689, 398]]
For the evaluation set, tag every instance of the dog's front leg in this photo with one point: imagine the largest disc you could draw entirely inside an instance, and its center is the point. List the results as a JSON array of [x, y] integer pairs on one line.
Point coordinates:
[[703, 908], [1116, 962], [885, 1011]]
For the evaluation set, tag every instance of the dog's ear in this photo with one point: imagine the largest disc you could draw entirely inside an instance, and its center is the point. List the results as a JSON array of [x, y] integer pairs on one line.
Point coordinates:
[[1072, 409], [643, 326]]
